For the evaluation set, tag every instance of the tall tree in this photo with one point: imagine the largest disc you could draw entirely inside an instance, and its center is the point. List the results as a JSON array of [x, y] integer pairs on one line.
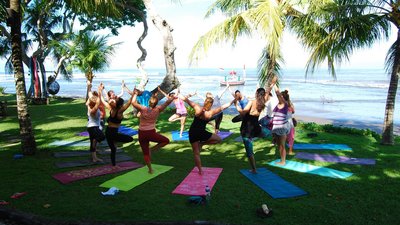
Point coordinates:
[[346, 25], [28, 143], [91, 53]]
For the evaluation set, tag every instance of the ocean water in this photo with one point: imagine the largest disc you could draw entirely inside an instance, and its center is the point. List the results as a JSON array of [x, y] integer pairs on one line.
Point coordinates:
[[357, 95]]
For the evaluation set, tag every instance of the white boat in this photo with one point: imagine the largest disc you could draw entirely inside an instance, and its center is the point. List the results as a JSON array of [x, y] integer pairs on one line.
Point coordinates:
[[234, 79]]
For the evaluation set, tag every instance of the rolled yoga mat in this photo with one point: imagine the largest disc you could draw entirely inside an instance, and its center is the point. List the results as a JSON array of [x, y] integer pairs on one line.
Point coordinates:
[[341, 147], [88, 162], [75, 175], [334, 158], [273, 184], [307, 168], [135, 178], [195, 184]]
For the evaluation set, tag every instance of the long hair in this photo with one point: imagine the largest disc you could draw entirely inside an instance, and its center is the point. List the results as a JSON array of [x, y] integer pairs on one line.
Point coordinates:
[[260, 99], [119, 103], [208, 103], [153, 101], [285, 95]]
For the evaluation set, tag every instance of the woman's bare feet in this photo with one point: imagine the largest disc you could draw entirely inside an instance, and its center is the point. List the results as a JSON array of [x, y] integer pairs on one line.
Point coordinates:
[[282, 163]]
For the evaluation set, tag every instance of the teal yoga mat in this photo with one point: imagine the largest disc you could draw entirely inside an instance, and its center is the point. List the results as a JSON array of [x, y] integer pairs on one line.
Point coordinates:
[[273, 184], [341, 147], [307, 168], [135, 178]]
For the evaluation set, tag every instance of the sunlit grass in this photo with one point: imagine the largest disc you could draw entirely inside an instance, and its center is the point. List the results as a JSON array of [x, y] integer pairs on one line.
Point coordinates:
[[370, 196]]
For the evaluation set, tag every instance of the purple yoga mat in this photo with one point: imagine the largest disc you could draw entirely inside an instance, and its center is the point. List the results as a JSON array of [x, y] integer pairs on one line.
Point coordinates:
[[335, 159], [224, 134], [70, 176]]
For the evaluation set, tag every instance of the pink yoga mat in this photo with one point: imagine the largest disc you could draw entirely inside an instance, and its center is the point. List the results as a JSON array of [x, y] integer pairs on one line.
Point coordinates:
[[195, 184], [71, 176]]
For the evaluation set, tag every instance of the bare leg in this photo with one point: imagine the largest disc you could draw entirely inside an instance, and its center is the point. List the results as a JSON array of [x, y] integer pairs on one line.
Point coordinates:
[[183, 120], [252, 162], [196, 154], [281, 140], [214, 139]]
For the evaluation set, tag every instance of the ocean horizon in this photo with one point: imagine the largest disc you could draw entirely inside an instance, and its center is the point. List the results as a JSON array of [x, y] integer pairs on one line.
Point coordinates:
[[356, 95]]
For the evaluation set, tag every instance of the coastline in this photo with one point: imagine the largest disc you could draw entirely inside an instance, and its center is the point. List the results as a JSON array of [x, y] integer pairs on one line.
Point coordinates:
[[358, 124]]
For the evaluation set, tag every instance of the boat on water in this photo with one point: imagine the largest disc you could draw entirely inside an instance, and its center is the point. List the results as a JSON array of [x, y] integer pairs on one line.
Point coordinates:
[[234, 79]]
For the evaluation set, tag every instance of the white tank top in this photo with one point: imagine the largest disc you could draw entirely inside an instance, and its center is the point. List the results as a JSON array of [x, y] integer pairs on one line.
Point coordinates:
[[94, 121]]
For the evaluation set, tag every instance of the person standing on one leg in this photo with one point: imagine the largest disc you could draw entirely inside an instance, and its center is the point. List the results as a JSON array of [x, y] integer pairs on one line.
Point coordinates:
[[198, 135], [117, 109], [93, 124], [147, 126]]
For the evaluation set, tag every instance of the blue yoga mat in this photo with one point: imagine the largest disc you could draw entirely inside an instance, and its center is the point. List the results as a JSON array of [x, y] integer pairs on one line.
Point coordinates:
[[273, 184], [176, 135], [127, 131], [307, 168], [342, 147]]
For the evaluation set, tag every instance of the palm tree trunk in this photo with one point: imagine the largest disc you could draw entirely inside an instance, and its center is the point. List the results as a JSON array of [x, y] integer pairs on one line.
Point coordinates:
[[387, 133], [170, 81], [28, 143]]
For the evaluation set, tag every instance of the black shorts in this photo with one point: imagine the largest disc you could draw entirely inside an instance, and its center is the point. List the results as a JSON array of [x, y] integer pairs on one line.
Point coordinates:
[[96, 133], [199, 135]]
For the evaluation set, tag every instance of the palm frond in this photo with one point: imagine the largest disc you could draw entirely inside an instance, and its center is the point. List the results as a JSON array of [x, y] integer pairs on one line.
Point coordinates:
[[227, 30], [229, 7]]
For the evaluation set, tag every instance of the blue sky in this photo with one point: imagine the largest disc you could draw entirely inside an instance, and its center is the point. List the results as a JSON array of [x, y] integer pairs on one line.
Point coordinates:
[[188, 22]]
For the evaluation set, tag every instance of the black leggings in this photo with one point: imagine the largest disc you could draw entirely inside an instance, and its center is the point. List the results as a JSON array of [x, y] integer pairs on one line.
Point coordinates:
[[95, 136], [113, 136], [218, 119]]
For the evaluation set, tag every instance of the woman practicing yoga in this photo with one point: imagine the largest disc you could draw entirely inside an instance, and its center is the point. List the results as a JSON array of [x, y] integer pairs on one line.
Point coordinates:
[[281, 126], [116, 108], [250, 128], [93, 124], [181, 111], [198, 136], [147, 126]]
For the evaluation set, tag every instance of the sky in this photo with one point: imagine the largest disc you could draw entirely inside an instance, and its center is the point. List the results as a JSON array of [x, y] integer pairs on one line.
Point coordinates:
[[187, 19]]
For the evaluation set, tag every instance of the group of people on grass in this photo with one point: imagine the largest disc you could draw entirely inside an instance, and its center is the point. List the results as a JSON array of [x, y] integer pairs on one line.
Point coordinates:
[[270, 112]]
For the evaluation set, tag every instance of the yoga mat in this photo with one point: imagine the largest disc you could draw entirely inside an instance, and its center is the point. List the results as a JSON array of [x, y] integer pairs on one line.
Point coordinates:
[[77, 143], [71, 176], [195, 184], [127, 130], [224, 134], [342, 147], [121, 129], [176, 135], [135, 178], [335, 159], [88, 162], [81, 153], [307, 168], [273, 184]]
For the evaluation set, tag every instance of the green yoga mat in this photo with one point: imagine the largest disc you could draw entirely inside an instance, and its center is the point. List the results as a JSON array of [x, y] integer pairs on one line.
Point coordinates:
[[135, 178]]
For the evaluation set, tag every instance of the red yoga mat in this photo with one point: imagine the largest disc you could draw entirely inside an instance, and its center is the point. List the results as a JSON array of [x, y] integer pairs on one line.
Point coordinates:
[[195, 184], [71, 176]]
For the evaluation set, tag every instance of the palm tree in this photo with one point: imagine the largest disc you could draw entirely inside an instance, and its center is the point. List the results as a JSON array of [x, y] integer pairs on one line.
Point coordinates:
[[346, 25], [91, 53], [28, 143]]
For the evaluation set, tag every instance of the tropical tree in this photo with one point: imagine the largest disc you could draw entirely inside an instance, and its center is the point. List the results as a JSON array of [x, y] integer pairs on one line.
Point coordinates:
[[346, 25], [91, 53], [28, 143], [330, 29]]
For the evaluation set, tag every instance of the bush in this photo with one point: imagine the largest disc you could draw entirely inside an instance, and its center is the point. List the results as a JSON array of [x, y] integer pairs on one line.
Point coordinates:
[[2, 90], [329, 128]]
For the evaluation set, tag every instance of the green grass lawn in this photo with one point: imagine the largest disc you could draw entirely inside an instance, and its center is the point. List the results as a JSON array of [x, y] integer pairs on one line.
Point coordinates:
[[370, 196]]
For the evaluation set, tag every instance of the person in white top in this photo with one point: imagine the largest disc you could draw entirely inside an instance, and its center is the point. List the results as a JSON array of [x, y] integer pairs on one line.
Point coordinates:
[[93, 125]]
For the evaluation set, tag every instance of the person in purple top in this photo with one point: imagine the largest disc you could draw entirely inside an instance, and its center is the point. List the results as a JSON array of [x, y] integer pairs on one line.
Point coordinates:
[[280, 125]]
